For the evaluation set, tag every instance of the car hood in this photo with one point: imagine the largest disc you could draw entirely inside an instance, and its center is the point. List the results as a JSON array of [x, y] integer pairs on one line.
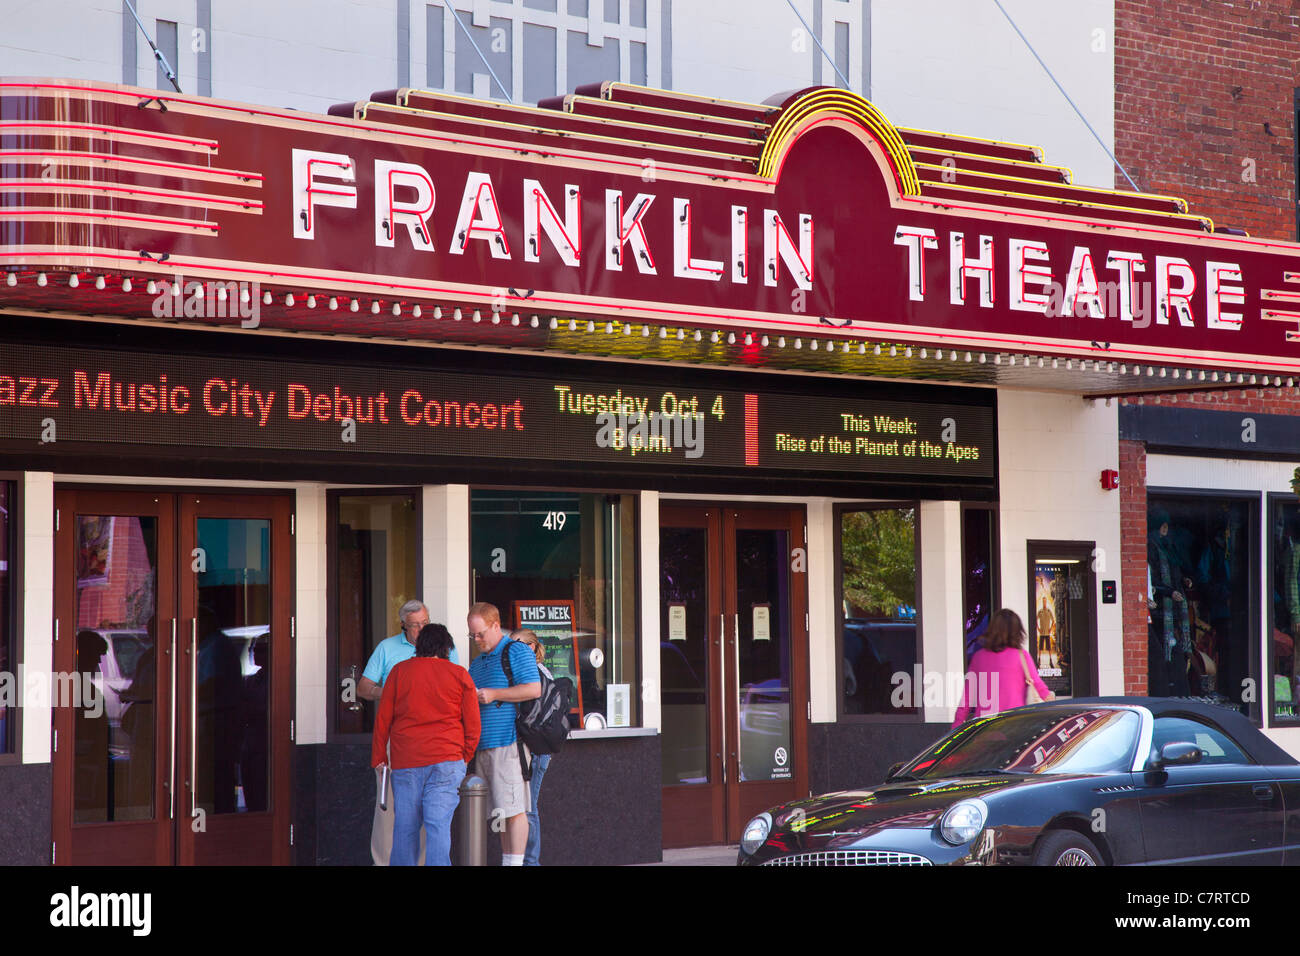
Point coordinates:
[[840, 819]]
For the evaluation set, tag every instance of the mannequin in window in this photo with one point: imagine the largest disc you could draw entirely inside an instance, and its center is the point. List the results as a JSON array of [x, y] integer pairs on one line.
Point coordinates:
[[1169, 584]]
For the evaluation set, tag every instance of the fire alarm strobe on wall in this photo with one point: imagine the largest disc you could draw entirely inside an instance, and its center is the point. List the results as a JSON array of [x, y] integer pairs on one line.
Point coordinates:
[[1109, 479]]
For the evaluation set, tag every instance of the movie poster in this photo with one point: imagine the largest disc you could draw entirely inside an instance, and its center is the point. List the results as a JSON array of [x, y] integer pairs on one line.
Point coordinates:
[[1049, 624]]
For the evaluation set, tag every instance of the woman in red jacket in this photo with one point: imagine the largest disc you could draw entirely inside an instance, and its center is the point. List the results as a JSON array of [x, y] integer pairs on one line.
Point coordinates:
[[429, 711]]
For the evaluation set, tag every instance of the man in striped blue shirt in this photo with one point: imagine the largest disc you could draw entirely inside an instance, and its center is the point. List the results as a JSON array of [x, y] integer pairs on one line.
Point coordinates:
[[497, 757]]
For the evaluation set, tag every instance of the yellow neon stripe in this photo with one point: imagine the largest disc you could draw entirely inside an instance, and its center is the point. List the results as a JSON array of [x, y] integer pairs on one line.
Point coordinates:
[[1180, 203], [609, 86], [984, 158], [572, 98], [1074, 202], [405, 95], [850, 105], [1036, 150], [551, 131]]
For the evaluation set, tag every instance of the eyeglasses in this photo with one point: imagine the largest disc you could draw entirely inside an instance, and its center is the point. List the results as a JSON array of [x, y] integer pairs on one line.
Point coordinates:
[[474, 636]]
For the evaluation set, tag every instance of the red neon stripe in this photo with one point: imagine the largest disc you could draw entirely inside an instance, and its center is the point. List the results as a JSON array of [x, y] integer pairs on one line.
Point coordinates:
[[43, 154], [50, 184], [751, 430], [105, 131], [56, 213]]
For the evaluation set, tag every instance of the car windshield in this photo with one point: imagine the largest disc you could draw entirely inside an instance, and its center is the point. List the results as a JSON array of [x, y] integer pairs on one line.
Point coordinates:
[[1038, 740]]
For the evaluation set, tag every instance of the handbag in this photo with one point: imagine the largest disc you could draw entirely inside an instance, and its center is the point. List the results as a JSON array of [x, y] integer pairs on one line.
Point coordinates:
[[1031, 691]]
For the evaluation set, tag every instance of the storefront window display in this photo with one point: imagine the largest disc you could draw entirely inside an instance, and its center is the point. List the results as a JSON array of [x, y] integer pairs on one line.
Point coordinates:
[[376, 564], [563, 564], [1199, 596], [878, 600], [1284, 581]]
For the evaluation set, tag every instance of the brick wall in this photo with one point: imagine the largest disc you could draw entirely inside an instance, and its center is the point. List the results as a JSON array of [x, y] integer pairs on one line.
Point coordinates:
[[1204, 106], [1133, 562], [1204, 109]]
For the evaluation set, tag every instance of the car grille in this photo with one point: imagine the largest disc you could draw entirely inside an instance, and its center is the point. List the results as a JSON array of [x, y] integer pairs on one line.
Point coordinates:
[[850, 858]]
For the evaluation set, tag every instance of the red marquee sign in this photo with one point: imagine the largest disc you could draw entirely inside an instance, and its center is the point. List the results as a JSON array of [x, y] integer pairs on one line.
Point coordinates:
[[813, 216]]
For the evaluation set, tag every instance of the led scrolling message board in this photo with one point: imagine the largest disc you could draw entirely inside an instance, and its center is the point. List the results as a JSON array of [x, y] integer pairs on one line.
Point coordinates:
[[59, 398]]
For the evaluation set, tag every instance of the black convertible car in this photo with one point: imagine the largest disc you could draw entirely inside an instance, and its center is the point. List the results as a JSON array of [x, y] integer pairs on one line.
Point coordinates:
[[1090, 782]]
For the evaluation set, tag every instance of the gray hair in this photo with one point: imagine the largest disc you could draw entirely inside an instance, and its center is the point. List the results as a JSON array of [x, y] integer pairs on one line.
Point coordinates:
[[410, 607]]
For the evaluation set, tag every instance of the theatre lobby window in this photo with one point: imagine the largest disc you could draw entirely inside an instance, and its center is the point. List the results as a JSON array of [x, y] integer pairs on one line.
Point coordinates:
[[563, 565], [375, 569], [878, 602]]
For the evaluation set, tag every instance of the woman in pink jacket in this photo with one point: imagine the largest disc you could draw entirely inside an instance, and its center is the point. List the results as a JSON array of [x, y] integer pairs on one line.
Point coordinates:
[[1000, 672]]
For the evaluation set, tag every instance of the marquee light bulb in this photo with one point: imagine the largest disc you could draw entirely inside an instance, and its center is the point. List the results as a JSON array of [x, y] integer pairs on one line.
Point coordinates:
[[99, 282], [73, 281], [288, 300], [415, 312], [41, 280], [397, 308], [126, 285], [11, 280], [354, 306], [266, 298], [334, 304], [374, 308], [311, 302], [151, 288]]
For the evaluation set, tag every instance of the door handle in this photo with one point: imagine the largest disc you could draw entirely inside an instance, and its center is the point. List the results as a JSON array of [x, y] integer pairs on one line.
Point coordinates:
[[735, 646], [171, 733], [722, 690], [194, 715], [356, 703], [1263, 791]]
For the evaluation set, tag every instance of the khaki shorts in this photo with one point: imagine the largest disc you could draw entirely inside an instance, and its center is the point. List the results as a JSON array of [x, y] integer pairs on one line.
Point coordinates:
[[499, 766]]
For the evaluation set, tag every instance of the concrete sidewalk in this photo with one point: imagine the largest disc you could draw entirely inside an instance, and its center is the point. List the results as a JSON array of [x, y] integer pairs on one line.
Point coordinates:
[[699, 856]]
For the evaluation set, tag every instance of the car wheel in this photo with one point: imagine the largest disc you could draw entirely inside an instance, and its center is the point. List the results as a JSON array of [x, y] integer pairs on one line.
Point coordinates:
[[1066, 848]]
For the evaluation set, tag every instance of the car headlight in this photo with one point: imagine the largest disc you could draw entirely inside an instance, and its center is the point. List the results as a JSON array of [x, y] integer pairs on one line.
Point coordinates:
[[756, 832], [963, 821]]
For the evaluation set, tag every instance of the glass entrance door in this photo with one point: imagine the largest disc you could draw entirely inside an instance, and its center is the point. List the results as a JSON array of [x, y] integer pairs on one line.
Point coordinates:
[[178, 608], [733, 667]]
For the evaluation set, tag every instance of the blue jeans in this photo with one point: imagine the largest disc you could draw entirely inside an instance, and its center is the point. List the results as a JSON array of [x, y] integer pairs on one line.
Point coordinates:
[[425, 796], [534, 849]]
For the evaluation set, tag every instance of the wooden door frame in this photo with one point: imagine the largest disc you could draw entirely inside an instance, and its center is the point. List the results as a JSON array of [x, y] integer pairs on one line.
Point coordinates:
[[272, 825], [684, 801], [172, 843], [121, 843], [731, 808], [756, 795]]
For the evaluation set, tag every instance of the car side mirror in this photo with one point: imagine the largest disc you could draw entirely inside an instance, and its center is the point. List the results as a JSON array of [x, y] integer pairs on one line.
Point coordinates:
[[1176, 755], [894, 769]]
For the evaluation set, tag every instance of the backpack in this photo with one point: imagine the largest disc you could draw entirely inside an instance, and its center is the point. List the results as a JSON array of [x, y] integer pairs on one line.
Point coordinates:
[[542, 723]]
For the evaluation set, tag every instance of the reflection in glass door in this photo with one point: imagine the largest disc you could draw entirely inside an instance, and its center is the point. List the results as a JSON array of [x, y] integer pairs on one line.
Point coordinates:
[[733, 672]]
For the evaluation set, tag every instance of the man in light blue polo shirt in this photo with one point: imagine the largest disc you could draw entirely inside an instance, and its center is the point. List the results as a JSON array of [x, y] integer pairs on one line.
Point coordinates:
[[387, 655], [497, 758]]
